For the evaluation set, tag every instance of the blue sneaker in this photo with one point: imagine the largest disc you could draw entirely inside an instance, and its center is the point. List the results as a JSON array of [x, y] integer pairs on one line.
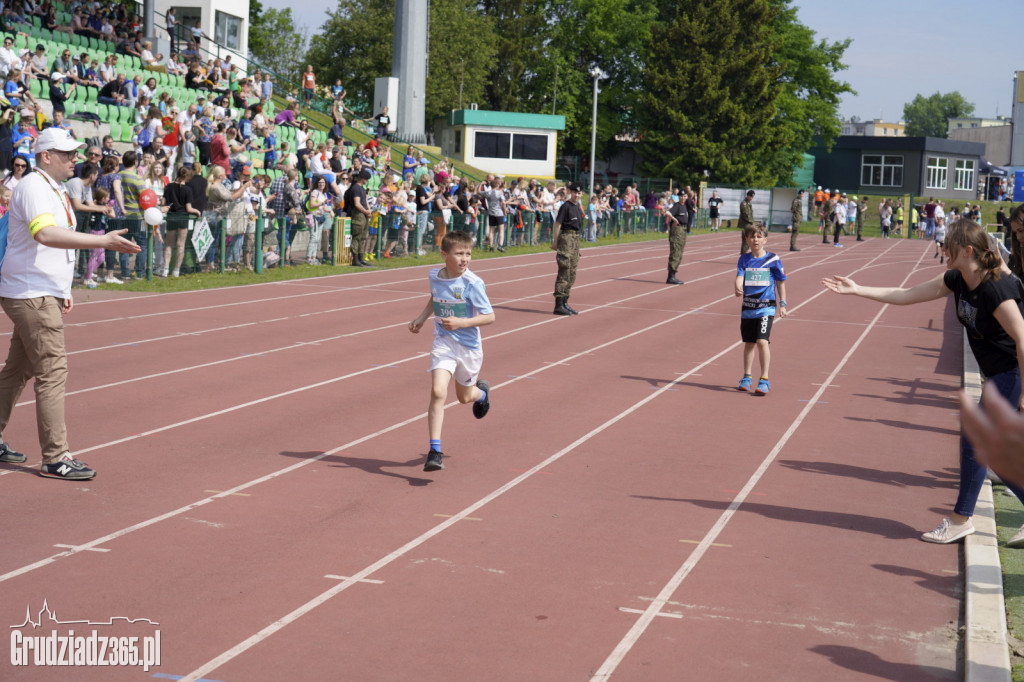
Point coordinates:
[[763, 386], [744, 384]]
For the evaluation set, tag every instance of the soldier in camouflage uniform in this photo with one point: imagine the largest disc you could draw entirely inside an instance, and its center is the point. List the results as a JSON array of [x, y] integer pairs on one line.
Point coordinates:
[[746, 219], [678, 219], [862, 208], [827, 213], [797, 214], [566, 244]]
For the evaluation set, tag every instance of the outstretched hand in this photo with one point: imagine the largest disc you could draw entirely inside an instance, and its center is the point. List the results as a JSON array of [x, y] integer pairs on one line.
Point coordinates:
[[115, 242], [840, 284]]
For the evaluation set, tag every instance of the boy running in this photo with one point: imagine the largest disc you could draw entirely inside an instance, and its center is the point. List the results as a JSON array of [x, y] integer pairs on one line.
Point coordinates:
[[458, 299], [758, 274]]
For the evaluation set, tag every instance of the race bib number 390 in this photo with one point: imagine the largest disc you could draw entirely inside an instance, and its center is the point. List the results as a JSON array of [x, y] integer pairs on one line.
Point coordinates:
[[443, 308]]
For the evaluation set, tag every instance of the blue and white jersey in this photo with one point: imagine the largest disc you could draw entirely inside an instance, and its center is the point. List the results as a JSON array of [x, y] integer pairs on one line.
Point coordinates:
[[759, 278], [464, 296]]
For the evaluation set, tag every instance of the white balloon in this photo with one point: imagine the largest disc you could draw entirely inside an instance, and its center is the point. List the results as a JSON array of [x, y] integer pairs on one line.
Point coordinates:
[[154, 216]]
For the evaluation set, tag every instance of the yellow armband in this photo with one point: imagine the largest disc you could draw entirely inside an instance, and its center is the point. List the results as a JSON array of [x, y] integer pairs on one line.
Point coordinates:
[[41, 221]]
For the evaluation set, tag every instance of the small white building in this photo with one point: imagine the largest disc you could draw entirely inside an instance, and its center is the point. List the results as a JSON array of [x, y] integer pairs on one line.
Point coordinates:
[[501, 142]]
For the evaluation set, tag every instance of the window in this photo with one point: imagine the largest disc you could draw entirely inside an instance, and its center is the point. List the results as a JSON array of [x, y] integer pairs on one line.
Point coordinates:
[[530, 147], [964, 174], [518, 146], [938, 167], [881, 170], [493, 145], [226, 30]]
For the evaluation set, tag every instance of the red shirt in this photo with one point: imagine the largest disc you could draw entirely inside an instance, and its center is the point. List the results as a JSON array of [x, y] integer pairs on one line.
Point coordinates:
[[309, 80], [219, 152]]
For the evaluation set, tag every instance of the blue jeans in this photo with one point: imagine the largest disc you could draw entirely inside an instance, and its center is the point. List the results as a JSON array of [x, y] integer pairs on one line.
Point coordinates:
[[137, 233], [972, 474], [215, 223], [235, 248]]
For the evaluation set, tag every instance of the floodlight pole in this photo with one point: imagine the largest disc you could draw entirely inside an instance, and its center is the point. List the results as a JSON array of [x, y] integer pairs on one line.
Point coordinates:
[[596, 74]]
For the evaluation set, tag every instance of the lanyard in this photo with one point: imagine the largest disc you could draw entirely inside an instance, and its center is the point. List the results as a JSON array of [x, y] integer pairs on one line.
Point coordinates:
[[64, 200]]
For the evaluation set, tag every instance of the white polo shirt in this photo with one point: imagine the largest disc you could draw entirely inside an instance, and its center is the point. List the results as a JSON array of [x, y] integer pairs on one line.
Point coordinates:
[[30, 269]]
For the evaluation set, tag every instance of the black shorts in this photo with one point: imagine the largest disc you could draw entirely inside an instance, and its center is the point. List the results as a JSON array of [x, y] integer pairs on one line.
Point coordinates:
[[495, 220], [754, 329]]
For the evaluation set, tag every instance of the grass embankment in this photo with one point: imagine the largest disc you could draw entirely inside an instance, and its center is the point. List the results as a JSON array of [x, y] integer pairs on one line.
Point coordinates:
[[1009, 519]]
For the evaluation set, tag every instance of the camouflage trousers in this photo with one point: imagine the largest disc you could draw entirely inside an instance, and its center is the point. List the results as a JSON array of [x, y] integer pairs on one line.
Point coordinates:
[[676, 244], [567, 255], [360, 231]]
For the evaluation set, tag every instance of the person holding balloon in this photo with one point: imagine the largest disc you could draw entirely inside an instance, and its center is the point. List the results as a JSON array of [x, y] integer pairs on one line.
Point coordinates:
[[132, 187]]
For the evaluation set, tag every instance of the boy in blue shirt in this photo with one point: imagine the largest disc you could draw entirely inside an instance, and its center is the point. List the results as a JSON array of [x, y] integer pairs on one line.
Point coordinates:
[[759, 274], [458, 299]]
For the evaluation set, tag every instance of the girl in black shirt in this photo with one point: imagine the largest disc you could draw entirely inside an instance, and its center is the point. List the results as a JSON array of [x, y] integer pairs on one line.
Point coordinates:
[[989, 306]]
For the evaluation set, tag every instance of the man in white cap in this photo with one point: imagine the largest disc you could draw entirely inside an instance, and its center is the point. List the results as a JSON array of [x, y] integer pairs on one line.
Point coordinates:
[[35, 292]]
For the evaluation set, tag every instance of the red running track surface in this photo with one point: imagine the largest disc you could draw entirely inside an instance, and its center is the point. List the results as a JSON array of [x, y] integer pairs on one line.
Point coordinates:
[[622, 512]]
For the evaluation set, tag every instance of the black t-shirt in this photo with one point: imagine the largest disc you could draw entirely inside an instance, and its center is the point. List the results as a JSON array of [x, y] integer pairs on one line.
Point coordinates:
[[176, 196], [422, 198], [993, 348], [197, 183], [111, 89], [679, 212], [570, 216], [713, 204], [355, 190]]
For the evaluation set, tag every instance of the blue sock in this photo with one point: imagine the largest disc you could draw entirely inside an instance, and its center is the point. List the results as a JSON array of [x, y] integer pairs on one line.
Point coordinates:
[[435, 445], [483, 398]]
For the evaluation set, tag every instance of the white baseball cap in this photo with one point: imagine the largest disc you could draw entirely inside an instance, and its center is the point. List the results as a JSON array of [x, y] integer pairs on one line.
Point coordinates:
[[57, 138]]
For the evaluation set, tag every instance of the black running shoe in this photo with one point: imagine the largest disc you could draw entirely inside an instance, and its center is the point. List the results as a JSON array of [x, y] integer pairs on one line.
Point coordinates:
[[434, 462], [67, 468], [10, 456], [480, 408]]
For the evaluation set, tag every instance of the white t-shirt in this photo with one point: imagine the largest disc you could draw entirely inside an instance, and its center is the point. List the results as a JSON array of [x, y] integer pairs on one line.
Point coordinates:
[[30, 269]]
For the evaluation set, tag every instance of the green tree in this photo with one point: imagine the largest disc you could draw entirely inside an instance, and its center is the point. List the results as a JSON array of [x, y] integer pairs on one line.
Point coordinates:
[[808, 105], [275, 43], [711, 93], [927, 116], [355, 44]]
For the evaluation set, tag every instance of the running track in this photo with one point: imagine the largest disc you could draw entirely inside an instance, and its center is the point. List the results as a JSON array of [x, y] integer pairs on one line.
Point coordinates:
[[622, 513]]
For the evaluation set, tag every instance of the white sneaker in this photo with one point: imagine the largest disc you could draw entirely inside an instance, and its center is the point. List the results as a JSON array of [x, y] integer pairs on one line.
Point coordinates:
[[176, 273], [947, 532], [162, 272], [91, 283], [1017, 540], [110, 279]]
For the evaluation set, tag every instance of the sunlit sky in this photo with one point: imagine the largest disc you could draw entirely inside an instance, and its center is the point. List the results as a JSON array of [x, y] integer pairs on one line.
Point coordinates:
[[900, 48]]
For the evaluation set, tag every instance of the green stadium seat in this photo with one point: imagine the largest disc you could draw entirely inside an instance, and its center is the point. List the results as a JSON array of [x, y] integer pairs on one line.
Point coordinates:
[[90, 95], [71, 108]]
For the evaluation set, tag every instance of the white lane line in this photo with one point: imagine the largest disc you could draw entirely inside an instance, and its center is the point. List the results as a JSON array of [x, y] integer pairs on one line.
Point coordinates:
[[322, 598], [642, 623]]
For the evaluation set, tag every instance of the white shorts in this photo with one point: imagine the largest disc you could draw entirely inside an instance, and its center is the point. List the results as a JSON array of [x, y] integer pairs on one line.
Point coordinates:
[[463, 363]]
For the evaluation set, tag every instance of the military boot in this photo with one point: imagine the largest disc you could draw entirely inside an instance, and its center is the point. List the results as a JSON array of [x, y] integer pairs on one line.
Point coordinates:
[[672, 277], [560, 308]]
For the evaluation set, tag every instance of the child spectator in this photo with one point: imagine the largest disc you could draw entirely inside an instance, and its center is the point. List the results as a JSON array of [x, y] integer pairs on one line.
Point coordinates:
[[102, 198], [5, 199], [940, 240], [758, 274], [458, 299]]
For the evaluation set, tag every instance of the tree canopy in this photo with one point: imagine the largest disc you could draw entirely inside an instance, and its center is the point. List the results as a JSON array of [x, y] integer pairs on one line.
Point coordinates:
[[926, 116], [737, 88]]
